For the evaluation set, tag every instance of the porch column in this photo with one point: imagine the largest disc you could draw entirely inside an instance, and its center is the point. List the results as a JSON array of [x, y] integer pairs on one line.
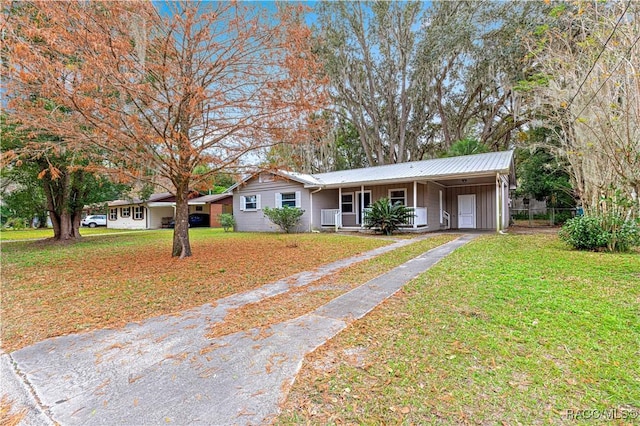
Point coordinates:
[[361, 206], [415, 203], [310, 211], [498, 202], [505, 201], [339, 204]]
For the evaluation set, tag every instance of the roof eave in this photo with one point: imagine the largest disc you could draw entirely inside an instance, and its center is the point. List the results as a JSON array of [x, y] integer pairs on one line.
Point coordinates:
[[410, 179]]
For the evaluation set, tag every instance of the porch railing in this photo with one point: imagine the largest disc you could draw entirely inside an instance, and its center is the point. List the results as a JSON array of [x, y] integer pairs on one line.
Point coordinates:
[[331, 217], [419, 218], [446, 219]]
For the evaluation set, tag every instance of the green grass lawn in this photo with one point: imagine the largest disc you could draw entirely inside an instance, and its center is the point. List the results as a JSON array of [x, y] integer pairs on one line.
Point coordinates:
[[36, 234], [514, 329]]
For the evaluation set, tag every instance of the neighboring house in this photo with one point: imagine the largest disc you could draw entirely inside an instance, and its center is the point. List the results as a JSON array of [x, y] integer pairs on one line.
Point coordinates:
[[467, 192], [159, 210], [214, 205], [528, 203]]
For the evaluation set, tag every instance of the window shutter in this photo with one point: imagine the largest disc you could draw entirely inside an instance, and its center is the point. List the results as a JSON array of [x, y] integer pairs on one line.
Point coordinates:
[[258, 206], [298, 199], [278, 200], [243, 203]]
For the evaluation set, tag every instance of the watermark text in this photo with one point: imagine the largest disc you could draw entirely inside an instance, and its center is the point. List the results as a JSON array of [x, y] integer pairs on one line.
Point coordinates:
[[604, 414]]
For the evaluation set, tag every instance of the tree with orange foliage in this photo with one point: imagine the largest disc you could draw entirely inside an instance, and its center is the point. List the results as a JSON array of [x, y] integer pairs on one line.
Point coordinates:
[[161, 93]]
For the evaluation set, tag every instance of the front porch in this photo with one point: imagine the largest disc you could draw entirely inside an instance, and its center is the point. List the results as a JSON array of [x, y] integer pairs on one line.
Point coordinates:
[[334, 218], [475, 201]]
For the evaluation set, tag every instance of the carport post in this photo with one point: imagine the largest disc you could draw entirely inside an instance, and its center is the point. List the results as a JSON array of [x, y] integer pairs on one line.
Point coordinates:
[[361, 206], [498, 211], [415, 203]]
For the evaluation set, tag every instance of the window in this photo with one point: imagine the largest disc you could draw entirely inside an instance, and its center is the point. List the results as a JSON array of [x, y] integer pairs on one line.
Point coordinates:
[[250, 202], [398, 196], [138, 213], [346, 204], [291, 199], [113, 214], [125, 212], [288, 199], [198, 208]]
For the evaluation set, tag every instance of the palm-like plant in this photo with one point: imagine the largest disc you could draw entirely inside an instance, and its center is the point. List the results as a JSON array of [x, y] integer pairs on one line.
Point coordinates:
[[387, 217]]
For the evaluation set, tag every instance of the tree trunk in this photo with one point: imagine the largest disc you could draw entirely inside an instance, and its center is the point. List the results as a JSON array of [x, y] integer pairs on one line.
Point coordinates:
[[76, 219], [65, 225], [64, 219], [181, 245]]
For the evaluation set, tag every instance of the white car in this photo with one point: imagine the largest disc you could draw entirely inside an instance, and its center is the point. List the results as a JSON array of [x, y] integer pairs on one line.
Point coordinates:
[[94, 220]]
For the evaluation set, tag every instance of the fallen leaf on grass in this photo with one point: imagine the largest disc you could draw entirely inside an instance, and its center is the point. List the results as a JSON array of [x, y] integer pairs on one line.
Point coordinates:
[[103, 287]]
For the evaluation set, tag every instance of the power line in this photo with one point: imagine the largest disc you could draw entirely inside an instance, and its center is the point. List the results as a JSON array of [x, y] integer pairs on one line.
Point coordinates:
[[604, 46], [610, 74]]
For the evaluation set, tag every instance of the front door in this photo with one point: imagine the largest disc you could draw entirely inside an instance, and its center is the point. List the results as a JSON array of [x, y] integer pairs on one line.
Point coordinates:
[[367, 202], [467, 211]]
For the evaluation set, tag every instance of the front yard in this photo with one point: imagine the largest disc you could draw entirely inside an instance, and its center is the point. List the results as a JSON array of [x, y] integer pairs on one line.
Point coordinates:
[[511, 329], [108, 281]]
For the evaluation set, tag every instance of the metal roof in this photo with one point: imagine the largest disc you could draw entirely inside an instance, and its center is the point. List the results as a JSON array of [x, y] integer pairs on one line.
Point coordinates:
[[438, 168], [300, 177]]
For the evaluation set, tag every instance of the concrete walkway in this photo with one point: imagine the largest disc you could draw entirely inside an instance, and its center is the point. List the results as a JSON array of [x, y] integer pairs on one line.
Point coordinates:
[[165, 371]]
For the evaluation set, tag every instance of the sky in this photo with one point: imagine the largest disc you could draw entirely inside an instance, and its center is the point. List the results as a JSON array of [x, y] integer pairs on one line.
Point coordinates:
[[270, 6]]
